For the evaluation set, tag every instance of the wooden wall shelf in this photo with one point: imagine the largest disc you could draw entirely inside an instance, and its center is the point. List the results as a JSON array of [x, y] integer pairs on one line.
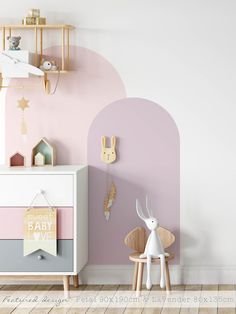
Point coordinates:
[[46, 26], [56, 72], [38, 32]]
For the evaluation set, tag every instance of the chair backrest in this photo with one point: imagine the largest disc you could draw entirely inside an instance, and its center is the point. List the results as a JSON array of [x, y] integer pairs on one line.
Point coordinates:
[[137, 238]]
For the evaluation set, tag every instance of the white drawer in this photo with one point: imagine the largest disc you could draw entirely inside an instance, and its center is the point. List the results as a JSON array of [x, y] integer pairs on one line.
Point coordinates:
[[19, 189]]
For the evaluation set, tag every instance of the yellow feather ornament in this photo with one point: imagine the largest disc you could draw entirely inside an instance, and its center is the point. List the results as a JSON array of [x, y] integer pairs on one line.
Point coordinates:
[[109, 200]]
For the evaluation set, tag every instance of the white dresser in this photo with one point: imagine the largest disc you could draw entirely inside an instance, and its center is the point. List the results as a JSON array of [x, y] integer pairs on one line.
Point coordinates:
[[66, 187]]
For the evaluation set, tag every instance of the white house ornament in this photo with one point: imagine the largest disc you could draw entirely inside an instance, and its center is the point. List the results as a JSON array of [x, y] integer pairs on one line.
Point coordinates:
[[39, 159]]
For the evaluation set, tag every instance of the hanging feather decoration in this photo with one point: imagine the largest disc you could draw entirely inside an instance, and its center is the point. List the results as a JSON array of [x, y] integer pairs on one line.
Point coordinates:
[[109, 200]]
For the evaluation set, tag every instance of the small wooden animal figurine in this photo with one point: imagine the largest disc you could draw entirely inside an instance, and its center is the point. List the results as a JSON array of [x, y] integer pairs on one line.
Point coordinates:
[[108, 154], [154, 248], [39, 159]]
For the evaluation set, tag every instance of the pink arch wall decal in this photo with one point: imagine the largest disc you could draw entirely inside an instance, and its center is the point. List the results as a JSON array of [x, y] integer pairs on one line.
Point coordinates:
[[148, 162], [64, 118]]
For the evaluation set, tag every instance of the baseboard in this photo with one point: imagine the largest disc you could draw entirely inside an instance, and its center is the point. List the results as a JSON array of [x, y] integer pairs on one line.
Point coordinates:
[[122, 274]]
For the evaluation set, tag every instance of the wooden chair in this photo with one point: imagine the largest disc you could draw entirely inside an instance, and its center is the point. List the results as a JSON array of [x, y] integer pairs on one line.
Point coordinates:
[[136, 240]]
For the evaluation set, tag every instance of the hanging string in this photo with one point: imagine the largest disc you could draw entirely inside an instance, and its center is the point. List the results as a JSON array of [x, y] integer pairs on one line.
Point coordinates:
[[40, 193], [57, 82], [24, 129]]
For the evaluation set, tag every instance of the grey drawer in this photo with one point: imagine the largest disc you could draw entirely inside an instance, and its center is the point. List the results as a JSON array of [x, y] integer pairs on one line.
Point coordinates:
[[12, 258]]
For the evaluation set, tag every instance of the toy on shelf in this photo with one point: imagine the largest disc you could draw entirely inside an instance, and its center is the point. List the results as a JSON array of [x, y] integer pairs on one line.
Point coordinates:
[[47, 150], [47, 65], [153, 248], [14, 42], [17, 160], [33, 18], [50, 67], [34, 12], [39, 159]]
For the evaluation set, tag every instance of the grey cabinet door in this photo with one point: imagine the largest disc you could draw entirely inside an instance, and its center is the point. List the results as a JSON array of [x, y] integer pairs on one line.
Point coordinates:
[[13, 260]]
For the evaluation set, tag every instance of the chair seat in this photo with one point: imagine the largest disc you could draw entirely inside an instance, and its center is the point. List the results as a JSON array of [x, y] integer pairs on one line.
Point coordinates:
[[134, 257]]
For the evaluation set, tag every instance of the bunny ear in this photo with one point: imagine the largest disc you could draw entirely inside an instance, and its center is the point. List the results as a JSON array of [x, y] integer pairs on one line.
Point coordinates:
[[150, 212], [113, 141], [104, 141], [139, 210]]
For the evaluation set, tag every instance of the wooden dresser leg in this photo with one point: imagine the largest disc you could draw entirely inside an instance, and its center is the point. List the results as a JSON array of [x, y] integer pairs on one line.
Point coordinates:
[[66, 285], [76, 280], [168, 286], [134, 286]]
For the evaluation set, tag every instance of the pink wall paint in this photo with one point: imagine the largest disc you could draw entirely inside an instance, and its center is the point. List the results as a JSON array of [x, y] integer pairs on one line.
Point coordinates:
[[148, 150], [63, 118], [11, 227]]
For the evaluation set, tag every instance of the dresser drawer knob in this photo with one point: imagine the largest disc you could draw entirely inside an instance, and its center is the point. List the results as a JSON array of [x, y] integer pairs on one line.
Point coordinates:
[[40, 257]]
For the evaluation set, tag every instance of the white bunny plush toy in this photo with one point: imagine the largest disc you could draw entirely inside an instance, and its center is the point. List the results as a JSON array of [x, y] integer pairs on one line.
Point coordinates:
[[153, 248]]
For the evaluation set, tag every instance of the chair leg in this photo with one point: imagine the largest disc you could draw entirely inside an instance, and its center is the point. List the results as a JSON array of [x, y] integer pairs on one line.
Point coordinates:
[[140, 277], [134, 286], [168, 285]]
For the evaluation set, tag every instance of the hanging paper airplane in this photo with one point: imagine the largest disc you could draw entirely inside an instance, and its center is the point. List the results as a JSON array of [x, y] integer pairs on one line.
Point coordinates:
[[15, 64]]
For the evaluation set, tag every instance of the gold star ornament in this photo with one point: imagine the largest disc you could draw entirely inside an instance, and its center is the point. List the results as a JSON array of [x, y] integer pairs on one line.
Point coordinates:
[[23, 103]]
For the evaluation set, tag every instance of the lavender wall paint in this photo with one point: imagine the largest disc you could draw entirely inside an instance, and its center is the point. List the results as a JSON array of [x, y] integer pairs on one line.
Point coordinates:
[[148, 161]]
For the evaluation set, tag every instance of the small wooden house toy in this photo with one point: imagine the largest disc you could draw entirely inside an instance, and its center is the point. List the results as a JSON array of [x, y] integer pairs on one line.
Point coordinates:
[[39, 159], [17, 160], [46, 150]]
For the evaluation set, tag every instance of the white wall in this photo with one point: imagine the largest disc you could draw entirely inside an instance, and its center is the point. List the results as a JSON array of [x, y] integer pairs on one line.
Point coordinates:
[[182, 55]]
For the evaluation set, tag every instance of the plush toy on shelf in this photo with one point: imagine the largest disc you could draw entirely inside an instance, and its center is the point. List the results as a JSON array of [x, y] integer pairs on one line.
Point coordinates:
[[14, 42], [153, 248], [47, 65]]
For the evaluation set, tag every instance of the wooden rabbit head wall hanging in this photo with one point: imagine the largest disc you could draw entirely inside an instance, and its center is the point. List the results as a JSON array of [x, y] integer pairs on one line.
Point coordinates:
[[108, 154]]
